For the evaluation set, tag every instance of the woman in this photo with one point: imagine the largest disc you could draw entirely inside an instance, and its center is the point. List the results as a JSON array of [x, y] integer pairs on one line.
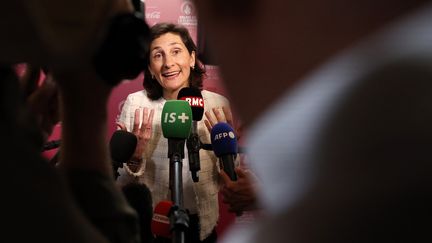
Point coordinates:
[[173, 65]]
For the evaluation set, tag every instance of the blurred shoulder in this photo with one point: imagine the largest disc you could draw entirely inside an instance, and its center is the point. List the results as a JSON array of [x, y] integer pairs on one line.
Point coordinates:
[[138, 94], [139, 97], [214, 98]]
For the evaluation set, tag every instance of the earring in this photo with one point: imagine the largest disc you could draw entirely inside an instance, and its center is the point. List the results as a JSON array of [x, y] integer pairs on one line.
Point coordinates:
[[153, 77], [193, 67]]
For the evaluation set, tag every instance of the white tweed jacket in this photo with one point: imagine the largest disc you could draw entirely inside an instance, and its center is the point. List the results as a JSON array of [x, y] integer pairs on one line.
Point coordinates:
[[155, 170]]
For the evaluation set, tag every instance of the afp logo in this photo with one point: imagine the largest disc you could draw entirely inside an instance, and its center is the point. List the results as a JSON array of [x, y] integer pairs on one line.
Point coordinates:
[[223, 135], [194, 101], [172, 117]]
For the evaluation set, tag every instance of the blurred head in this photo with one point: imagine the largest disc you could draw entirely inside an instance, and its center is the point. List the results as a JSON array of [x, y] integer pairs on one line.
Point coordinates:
[[172, 62]]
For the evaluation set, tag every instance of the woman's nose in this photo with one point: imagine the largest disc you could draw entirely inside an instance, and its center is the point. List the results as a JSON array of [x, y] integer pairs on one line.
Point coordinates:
[[169, 61]]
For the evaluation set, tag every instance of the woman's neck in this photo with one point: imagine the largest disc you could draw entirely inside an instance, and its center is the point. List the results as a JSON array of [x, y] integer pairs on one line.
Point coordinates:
[[171, 94]]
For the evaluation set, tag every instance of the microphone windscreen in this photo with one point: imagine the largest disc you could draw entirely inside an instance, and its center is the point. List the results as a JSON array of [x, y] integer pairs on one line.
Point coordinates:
[[176, 119], [223, 139], [160, 224], [122, 146], [195, 99]]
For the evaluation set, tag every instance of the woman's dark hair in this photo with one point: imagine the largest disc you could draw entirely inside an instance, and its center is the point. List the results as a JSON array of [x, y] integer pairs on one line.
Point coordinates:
[[151, 85]]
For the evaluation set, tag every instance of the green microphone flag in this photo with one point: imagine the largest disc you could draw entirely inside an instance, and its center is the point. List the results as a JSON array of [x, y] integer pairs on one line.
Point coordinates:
[[176, 119]]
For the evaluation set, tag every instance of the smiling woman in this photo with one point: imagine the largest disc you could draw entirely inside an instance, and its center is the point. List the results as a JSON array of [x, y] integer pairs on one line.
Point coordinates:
[[173, 65], [172, 54], [170, 64]]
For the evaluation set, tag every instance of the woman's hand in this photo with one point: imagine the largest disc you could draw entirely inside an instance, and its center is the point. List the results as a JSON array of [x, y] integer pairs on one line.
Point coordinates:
[[218, 117], [240, 195], [142, 133], [226, 117]]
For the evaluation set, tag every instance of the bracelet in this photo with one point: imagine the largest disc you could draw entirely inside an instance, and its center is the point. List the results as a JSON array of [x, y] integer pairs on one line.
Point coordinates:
[[139, 173]]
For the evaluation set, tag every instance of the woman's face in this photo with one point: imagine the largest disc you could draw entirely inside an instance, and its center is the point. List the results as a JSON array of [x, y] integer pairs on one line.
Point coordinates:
[[170, 62]]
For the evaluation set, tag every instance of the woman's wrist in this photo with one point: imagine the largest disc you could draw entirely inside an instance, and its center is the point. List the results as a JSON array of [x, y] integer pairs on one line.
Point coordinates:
[[135, 161], [135, 167], [134, 164]]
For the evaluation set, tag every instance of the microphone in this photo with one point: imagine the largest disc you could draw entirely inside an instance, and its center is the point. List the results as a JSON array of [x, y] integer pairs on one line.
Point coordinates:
[[160, 224], [224, 144], [193, 144], [139, 198], [176, 127], [122, 145]]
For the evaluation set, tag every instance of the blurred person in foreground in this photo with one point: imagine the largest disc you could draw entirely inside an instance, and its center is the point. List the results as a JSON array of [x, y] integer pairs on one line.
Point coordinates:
[[78, 201], [340, 137]]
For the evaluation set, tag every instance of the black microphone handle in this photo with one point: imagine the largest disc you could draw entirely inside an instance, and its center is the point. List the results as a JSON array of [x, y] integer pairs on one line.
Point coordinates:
[[193, 145], [227, 163], [176, 146], [194, 166]]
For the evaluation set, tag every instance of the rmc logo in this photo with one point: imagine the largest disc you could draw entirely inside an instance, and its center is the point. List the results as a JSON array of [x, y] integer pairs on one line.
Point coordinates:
[[172, 117], [194, 101]]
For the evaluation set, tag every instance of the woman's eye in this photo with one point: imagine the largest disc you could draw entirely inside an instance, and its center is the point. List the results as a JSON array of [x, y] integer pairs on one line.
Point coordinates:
[[157, 55]]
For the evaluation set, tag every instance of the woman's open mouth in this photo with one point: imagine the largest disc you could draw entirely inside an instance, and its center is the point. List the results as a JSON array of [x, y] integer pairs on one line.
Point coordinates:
[[171, 75]]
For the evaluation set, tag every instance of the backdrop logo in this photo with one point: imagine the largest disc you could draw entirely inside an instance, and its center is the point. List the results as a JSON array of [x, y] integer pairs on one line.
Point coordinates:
[[188, 10], [152, 12], [153, 15]]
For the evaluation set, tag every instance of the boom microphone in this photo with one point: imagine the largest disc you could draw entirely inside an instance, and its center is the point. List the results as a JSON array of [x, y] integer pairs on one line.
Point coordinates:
[[193, 144], [224, 144], [122, 146], [160, 224]]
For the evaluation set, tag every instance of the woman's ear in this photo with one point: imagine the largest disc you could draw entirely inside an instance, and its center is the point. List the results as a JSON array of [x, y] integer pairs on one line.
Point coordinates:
[[149, 69], [192, 60]]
